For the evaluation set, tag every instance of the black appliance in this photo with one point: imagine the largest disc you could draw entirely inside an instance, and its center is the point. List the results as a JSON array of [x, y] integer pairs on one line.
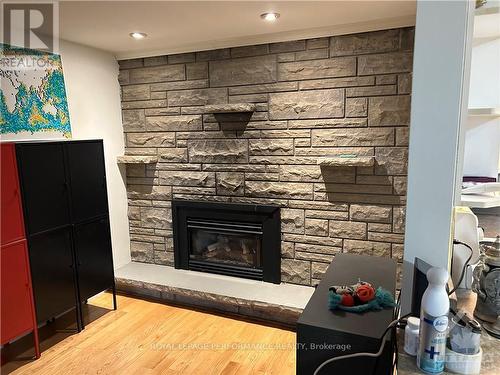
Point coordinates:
[[323, 334], [420, 284], [241, 240]]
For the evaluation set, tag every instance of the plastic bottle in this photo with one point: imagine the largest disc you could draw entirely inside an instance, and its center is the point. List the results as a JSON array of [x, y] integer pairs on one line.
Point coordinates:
[[434, 323], [411, 335]]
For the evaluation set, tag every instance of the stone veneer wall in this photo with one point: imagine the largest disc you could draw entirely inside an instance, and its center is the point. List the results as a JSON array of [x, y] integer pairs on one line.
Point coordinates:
[[316, 97]]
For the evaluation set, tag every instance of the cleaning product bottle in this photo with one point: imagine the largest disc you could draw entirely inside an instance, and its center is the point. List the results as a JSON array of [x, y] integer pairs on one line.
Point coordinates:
[[411, 335], [434, 322]]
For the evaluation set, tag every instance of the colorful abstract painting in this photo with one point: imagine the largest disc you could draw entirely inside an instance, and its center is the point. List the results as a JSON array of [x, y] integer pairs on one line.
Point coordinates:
[[33, 102]]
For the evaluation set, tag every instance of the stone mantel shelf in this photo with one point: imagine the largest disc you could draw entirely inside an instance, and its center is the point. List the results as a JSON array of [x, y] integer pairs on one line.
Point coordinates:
[[346, 161], [230, 108], [136, 159]]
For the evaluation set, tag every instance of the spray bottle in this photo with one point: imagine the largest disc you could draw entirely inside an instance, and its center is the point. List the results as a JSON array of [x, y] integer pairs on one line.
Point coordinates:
[[434, 322]]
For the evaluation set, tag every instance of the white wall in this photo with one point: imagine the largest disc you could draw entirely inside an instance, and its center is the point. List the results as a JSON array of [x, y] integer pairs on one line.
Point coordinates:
[[482, 138], [441, 66], [91, 78], [482, 147], [485, 72]]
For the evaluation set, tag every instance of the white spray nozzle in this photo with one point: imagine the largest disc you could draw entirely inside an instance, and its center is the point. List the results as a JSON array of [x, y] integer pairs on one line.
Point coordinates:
[[437, 276]]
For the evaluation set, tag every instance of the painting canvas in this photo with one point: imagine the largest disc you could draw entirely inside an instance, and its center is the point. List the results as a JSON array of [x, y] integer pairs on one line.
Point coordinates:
[[33, 102]]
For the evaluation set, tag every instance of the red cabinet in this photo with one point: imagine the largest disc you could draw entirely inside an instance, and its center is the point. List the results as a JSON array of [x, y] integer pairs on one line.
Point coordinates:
[[16, 295], [17, 310], [12, 228]]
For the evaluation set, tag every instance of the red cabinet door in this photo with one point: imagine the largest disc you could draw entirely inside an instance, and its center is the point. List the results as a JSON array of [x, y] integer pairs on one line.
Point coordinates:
[[11, 219], [15, 295]]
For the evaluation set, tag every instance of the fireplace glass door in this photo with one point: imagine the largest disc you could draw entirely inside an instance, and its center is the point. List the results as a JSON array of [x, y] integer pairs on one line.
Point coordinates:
[[224, 245]]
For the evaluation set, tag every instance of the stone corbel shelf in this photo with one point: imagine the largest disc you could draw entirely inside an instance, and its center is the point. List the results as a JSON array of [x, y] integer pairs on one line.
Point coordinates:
[[229, 108], [136, 159], [346, 161]]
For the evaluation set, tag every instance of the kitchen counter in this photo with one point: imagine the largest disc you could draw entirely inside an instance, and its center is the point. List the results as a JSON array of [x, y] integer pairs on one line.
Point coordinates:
[[490, 364]]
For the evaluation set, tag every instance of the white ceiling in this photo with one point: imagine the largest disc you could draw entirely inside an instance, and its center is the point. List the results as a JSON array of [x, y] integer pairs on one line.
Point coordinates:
[[182, 26]]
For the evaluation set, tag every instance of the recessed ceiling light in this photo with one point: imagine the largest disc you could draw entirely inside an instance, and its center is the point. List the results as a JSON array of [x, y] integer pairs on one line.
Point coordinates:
[[270, 16], [137, 35]]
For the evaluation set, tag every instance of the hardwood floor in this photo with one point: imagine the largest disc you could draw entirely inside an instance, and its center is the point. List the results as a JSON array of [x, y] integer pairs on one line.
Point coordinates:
[[144, 337]]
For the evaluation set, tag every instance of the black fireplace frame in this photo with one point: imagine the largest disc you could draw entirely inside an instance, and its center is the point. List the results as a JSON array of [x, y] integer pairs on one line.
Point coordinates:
[[268, 216]]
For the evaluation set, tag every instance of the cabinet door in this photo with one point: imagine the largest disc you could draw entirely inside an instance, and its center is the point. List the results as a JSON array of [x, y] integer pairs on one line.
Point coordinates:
[[17, 310], [44, 186], [51, 260], [11, 218], [88, 180], [95, 262]]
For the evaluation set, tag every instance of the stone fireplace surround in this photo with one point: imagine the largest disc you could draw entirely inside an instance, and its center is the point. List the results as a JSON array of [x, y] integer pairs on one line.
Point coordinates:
[[320, 97]]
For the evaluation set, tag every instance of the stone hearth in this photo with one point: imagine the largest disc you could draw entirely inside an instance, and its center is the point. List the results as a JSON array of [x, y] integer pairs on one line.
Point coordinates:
[[279, 303], [312, 99]]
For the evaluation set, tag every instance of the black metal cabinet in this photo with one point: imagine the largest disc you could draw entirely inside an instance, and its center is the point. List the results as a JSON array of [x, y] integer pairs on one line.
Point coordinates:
[[52, 263], [95, 264], [87, 178], [65, 206], [44, 185]]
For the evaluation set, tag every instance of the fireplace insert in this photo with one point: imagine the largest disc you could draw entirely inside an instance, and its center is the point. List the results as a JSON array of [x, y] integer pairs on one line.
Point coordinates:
[[231, 239]]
